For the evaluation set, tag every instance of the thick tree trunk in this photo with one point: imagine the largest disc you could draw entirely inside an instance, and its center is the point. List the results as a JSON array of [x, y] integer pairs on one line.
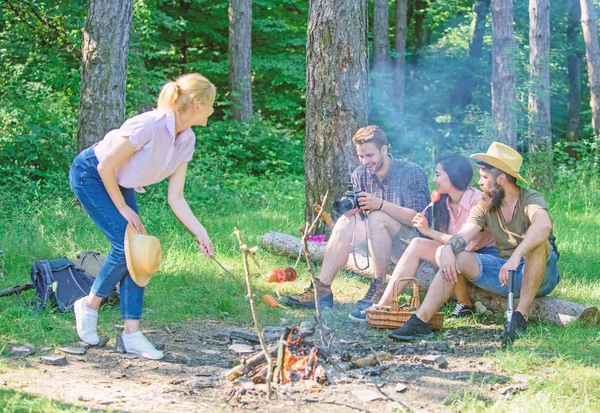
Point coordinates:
[[544, 309], [540, 129], [592, 52], [381, 40], [337, 95], [461, 94], [504, 99], [574, 63], [400, 26], [240, 58], [104, 50]]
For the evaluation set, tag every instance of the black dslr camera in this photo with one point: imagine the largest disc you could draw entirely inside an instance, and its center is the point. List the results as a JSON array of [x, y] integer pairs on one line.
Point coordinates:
[[342, 206]]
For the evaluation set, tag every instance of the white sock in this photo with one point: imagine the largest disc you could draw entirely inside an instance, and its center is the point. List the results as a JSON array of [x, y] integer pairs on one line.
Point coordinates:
[[88, 309]]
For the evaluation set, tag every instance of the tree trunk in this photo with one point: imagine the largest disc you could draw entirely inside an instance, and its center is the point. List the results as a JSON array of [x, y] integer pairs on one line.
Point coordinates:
[[337, 95], [381, 40], [504, 99], [104, 50], [461, 94], [240, 58], [400, 26], [421, 31], [540, 130], [574, 63], [592, 52], [545, 309]]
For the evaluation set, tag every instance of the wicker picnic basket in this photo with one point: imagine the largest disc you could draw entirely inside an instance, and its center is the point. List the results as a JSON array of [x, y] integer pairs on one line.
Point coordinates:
[[395, 317]]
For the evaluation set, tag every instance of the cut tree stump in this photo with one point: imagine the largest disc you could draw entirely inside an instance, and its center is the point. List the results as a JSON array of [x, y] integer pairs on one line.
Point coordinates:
[[544, 309]]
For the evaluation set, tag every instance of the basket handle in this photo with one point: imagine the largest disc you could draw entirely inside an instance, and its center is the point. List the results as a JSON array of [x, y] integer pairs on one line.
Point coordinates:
[[416, 300]]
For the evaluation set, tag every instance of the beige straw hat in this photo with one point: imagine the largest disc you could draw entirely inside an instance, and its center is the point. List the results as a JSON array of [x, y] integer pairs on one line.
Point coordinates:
[[143, 254], [502, 157]]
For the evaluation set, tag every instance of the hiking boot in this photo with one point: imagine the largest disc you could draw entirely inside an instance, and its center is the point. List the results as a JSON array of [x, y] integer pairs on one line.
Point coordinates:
[[85, 322], [307, 298], [413, 329], [137, 343], [462, 310], [518, 327], [373, 295]]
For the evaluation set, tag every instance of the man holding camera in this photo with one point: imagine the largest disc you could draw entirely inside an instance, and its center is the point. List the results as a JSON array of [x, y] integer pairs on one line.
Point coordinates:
[[391, 191], [519, 221]]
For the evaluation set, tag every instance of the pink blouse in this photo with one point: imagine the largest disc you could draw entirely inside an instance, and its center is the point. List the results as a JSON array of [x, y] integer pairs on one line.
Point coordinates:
[[158, 152], [468, 201]]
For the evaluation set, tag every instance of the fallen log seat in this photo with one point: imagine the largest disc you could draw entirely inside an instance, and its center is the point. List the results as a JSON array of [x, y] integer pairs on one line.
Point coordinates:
[[544, 309]]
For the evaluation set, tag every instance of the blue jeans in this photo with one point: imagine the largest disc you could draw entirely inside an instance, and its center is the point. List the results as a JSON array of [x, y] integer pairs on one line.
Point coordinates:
[[89, 189], [489, 270]]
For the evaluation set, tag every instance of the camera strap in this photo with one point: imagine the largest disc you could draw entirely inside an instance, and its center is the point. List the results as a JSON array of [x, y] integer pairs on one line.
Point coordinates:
[[366, 240]]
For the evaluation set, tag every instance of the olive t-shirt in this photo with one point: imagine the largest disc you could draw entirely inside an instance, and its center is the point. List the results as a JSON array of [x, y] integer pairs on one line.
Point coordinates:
[[530, 203]]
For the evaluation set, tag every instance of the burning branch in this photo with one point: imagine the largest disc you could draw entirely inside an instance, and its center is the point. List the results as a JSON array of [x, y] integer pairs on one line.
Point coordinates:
[[245, 252]]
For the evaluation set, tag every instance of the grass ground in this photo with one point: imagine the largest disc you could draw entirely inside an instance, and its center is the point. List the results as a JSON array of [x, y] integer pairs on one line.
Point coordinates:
[[190, 287]]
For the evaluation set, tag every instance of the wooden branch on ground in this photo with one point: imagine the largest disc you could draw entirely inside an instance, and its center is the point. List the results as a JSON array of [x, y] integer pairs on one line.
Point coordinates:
[[544, 309], [16, 289], [245, 252], [246, 366]]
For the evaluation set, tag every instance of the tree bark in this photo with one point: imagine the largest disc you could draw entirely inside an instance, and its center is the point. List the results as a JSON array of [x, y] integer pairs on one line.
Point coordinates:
[[592, 52], [400, 26], [504, 99], [337, 95], [381, 40], [574, 63], [544, 309], [461, 94], [240, 58], [104, 52], [540, 130]]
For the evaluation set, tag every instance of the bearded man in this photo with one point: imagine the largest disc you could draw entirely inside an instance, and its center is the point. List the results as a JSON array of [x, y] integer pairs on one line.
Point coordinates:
[[392, 191], [519, 221]]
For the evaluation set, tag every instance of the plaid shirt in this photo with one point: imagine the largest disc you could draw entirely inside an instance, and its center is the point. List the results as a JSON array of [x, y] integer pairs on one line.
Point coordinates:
[[405, 184]]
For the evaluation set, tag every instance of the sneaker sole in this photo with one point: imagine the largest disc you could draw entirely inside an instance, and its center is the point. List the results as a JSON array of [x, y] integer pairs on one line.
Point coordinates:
[[411, 338], [145, 356], [360, 320]]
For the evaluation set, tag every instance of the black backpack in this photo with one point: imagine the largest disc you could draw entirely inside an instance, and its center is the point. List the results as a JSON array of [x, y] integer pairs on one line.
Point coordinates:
[[59, 283]]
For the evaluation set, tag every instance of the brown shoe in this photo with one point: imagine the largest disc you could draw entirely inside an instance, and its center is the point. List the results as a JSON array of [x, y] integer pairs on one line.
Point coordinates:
[[373, 295], [307, 298]]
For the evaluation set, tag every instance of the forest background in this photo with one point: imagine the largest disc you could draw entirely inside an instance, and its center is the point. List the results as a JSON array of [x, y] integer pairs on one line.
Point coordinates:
[[251, 173]]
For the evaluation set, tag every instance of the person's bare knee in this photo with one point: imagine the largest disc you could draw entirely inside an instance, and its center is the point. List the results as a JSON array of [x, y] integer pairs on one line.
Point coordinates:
[[343, 230], [467, 265]]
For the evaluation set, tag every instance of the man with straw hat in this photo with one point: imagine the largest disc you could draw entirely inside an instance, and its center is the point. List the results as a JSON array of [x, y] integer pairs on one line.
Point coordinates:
[[519, 221]]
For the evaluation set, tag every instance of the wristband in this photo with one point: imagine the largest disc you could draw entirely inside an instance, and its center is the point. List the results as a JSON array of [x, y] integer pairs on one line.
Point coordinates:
[[381, 206]]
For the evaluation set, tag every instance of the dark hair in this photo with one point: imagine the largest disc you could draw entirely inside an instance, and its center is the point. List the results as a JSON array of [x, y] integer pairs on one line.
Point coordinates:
[[495, 172], [460, 173]]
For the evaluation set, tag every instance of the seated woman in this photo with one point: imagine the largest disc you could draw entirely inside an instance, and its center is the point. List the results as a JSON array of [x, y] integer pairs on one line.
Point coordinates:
[[453, 175]]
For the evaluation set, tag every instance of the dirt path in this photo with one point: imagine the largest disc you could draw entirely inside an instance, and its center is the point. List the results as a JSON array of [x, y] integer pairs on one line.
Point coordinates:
[[188, 379]]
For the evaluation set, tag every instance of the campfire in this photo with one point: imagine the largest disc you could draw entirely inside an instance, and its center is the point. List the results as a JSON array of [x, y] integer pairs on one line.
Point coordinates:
[[297, 360]]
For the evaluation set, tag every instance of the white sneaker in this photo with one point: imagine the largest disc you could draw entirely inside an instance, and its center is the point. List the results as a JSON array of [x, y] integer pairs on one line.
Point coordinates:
[[85, 322], [137, 343]]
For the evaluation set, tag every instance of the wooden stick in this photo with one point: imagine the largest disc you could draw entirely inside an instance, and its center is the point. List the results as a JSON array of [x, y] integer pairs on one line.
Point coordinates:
[[324, 215], [245, 253], [247, 366], [307, 230], [16, 289], [280, 353]]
